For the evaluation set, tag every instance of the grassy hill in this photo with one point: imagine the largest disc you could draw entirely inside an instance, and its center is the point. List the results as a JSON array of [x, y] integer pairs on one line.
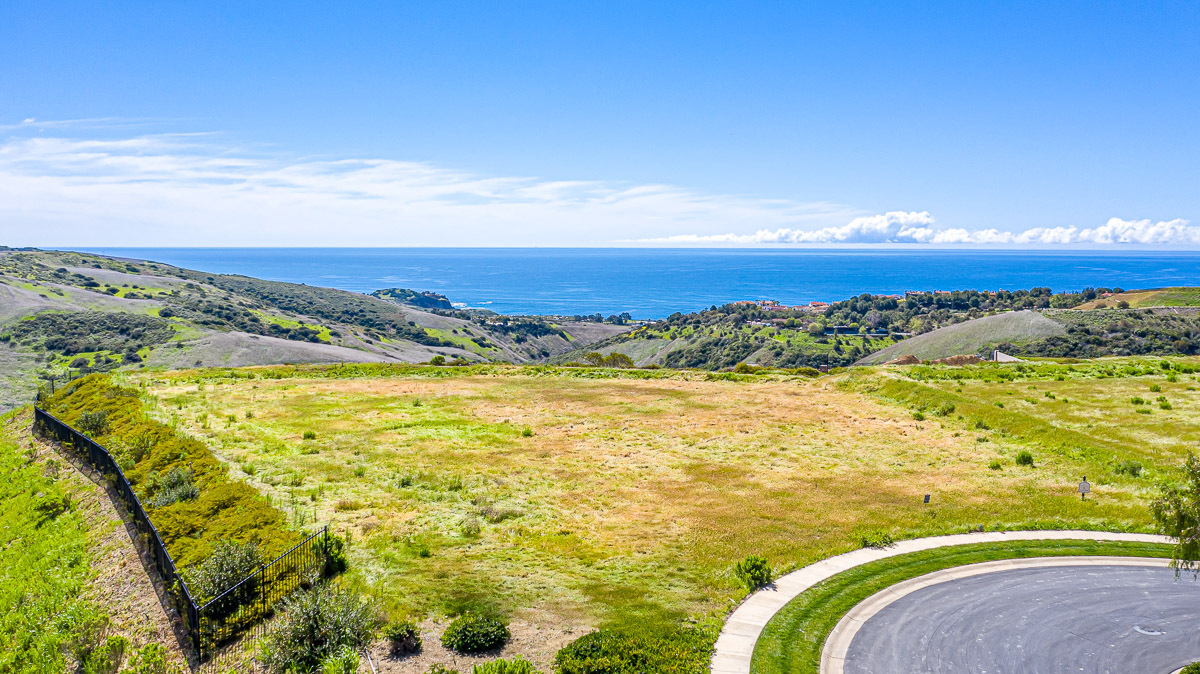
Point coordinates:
[[575, 498], [973, 336], [1155, 297], [63, 311]]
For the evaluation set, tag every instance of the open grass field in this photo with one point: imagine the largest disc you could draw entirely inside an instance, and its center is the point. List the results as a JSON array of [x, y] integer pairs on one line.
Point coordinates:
[[574, 498]]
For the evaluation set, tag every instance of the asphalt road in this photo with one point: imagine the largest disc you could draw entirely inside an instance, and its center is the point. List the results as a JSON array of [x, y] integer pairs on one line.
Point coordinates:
[[1095, 619]]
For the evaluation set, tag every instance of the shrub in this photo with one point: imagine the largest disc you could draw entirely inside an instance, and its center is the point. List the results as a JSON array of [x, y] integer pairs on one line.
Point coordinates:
[[995, 465], [944, 410], [310, 435], [754, 572], [105, 658], [517, 665], [177, 485], [1130, 468], [1193, 668], [527, 432], [876, 539], [334, 549], [685, 651], [471, 633], [93, 424], [403, 637], [315, 625], [437, 360], [228, 564], [1155, 388], [344, 661], [150, 659], [1164, 405], [918, 416], [1137, 400], [982, 425], [1024, 458]]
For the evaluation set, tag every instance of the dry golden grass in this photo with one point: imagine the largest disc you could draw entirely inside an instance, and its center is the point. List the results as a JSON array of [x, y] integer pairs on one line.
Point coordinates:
[[627, 501]]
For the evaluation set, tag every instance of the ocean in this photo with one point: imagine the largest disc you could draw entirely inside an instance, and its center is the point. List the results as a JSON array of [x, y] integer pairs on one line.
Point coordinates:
[[653, 283]]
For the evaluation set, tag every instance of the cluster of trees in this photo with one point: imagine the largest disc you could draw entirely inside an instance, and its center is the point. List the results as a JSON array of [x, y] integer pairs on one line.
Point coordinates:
[[74, 332], [922, 312], [1126, 333]]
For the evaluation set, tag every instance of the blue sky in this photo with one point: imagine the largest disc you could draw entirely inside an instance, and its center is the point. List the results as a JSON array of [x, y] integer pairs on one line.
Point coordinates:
[[613, 123]]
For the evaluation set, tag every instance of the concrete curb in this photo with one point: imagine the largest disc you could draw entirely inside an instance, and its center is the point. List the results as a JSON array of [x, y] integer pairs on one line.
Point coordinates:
[[735, 645], [833, 655]]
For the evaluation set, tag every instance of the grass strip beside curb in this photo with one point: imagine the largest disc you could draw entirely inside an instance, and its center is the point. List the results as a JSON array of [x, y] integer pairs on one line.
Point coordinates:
[[793, 639]]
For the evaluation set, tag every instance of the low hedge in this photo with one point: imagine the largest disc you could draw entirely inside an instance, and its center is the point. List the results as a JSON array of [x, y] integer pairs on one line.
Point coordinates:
[[683, 651], [471, 633]]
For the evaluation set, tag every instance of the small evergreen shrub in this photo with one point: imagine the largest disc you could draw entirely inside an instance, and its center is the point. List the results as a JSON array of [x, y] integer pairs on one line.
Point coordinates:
[[919, 416], [107, 657], [310, 435], [1155, 388], [93, 424], [150, 659], [1024, 458], [517, 665], [1130, 468], [471, 633], [178, 484], [876, 539], [685, 651], [227, 565], [995, 465], [1193, 668], [334, 549], [316, 625], [944, 409], [403, 637], [344, 661], [754, 572]]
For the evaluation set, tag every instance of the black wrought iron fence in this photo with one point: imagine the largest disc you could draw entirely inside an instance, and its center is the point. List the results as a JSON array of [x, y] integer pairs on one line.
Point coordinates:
[[239, 611]]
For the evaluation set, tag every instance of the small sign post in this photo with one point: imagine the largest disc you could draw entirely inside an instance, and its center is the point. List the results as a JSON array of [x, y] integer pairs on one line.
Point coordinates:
[[1084, 488], [927, 499]]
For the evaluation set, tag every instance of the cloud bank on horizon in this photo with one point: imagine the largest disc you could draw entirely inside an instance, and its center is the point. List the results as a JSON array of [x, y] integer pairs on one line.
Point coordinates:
[[899, 227], [195, 190]]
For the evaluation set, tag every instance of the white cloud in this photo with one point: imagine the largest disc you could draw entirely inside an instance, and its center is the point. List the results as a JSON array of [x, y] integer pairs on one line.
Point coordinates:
[[189, 189], [898, 227]]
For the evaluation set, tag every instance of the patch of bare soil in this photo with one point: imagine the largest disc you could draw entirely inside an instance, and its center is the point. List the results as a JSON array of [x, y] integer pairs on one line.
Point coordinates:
[[535, 643], [138, 607]]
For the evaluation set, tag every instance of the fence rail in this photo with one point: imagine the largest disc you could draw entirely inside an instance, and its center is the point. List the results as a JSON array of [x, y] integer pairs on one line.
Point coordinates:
[[238, 611]]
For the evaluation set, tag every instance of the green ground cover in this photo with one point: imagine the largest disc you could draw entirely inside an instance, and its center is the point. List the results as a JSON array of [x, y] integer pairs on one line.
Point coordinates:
[[44, 566], [148, 450], [793, 639]]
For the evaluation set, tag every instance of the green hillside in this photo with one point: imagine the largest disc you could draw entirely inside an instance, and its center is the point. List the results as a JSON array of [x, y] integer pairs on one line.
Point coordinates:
[[975, 336], [73, 312]]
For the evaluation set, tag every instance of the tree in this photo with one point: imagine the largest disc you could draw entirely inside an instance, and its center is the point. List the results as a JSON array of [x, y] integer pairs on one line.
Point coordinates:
[[816, 328], [1177, 512]]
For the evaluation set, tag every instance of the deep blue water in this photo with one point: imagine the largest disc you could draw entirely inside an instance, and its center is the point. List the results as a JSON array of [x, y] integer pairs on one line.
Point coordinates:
[[652, 283]]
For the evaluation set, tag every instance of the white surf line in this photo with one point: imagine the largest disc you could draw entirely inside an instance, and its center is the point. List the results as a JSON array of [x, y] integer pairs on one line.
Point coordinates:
[[735, 645], [833, 655]]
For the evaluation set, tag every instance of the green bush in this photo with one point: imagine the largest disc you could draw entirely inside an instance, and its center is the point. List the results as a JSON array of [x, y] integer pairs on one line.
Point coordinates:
[[403, 637], [228, 564], [1129, 467], [334, 549], [1193, 668], [919, 416], [177, 485], [754, 572], [344, 661], [995, 465], [1024, 458], [471, 633], [944, 410], [876, 539], [685, 651], [310, 435], [517, 665], [105, 658], [93, 424], [150, 659], [315, 625]]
